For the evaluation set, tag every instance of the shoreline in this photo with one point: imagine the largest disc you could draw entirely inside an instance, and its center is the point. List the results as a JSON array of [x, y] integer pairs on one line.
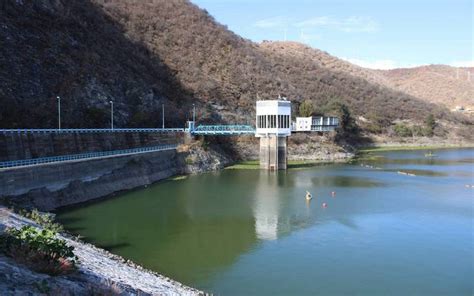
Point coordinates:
[[292, 164], [300, 164], [381, 148], [99, 271]]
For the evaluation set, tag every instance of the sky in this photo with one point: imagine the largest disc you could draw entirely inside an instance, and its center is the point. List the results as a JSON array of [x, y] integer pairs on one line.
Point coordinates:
[[380, 34]]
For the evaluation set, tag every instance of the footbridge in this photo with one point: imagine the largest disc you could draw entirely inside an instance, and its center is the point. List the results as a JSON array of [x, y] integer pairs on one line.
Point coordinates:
[[89, 130], [223, 130], [200, 130]]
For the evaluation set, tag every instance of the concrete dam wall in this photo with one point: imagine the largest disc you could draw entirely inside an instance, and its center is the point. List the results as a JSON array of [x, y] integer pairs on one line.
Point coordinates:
[[26, 146], [51, 186]]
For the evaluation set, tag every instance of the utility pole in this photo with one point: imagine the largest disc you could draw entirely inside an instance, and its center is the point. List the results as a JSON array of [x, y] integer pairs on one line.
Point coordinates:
[[59, 112], [112, 115], [163, 116]]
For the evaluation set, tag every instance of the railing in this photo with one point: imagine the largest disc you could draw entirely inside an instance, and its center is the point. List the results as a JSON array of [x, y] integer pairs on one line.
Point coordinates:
[[91, 155], [89, 130], [236, 129], [323, 128], [316, 128]]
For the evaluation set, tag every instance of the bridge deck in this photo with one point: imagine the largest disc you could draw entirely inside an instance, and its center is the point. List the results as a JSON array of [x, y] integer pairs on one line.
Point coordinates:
[[224, 130], [88, 130]]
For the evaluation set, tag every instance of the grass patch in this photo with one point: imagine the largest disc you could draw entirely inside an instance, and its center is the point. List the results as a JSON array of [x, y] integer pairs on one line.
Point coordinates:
[[245, 165], [177, 178]]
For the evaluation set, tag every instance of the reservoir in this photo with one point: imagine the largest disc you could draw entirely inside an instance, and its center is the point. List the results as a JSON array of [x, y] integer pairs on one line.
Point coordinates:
[[397, 223]]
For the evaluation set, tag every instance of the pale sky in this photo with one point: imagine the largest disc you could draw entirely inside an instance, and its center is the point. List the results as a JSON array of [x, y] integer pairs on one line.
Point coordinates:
[[372, 33]]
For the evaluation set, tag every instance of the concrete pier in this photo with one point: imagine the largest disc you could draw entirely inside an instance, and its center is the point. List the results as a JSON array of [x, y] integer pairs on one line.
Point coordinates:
[[273, 119], [273, 153]]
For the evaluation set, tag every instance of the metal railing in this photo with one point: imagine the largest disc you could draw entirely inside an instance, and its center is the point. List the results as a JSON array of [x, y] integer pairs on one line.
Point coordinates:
[[323, 128], [316, 128], [232, 129], [83, 156], [88, 130]]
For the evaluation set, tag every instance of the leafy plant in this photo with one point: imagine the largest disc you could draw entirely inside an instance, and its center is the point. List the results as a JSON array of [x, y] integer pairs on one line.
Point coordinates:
[[40, 249], [43, 219]]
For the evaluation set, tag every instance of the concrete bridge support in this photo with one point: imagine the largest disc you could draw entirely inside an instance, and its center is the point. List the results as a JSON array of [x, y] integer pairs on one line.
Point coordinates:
[[273, 152]]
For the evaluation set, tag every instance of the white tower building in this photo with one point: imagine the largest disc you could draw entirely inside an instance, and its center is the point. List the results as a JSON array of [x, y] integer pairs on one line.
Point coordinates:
[[273, 128]]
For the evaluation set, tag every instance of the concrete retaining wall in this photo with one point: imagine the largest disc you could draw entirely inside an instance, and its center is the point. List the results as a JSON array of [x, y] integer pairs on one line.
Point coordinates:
[[47, 187]]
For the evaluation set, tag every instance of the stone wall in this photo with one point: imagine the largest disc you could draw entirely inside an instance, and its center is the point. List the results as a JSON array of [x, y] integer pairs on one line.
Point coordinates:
[[26, 146]]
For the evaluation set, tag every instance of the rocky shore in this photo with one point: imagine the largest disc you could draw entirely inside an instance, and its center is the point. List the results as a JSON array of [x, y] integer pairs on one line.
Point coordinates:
[[99, 273]]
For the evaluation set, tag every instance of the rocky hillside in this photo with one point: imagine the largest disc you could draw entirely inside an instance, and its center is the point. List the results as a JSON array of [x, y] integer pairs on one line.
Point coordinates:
[[449, 86], [440, 84], [141, 54], [323, 59]]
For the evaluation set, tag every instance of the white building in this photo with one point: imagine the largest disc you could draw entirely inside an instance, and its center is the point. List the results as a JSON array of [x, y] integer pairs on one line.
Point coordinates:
[[273, 117], [273, 126], [315, 124]]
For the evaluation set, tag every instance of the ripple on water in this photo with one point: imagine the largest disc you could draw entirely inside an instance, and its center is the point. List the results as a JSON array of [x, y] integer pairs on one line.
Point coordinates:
[[345, 181]]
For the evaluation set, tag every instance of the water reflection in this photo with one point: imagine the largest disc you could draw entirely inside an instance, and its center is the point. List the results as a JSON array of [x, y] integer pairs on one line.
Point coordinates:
[[267, 205]]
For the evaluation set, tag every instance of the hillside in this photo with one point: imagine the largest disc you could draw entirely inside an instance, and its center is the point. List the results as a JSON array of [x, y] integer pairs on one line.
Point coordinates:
[[141, 54], [323, 59], [440, 84]]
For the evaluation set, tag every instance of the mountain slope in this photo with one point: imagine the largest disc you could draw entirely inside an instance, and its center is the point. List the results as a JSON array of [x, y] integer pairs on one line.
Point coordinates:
[[222, 68], [440, 84], [73, 50], [141, 54]]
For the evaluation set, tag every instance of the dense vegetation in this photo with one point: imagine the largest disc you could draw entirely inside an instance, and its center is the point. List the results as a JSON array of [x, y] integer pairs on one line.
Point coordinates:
[[141, 54]]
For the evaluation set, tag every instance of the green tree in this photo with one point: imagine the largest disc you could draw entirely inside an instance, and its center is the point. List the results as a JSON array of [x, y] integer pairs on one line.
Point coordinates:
[[402, 130], [306, 108], [346, 121], [430, 124]]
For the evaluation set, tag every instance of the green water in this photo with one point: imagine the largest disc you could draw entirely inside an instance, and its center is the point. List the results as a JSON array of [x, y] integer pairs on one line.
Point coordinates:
[[248, 232]]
